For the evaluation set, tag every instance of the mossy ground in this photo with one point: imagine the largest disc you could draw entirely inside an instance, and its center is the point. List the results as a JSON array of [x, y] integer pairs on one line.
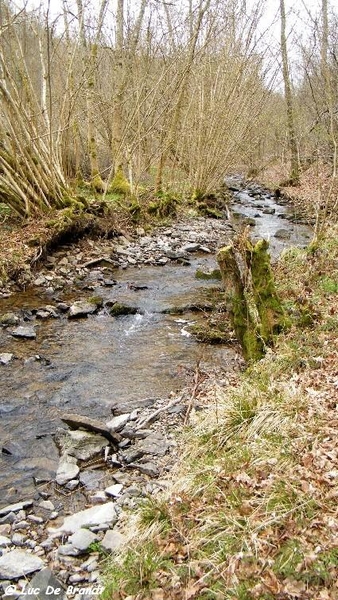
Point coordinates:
[[251, 511]]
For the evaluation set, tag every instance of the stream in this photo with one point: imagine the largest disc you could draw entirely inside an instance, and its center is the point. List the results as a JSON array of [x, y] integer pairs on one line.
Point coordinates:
[[88, 365]]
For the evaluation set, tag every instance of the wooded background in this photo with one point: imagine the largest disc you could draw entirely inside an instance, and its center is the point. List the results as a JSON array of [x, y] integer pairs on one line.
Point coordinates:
[[156, 94]]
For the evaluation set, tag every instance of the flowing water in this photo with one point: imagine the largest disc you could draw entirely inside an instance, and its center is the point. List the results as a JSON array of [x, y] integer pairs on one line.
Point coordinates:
[[86, 365]]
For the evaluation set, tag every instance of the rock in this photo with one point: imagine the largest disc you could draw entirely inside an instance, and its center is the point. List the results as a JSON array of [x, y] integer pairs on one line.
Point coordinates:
[[4, 541], [190, 248], [119, 408], [39, 281], [113, 540], [13, 508], [154, 444], [77, 421], [6, 358], [24, 332], [7, 519], [96, 515], [18, 539], [117, 423], [72, 484], [85, 445], [46, 582], [283, 234], [68, 550], [118, 309], [269, 211], [67, 469], [81, 309], [114, 490], [18, 563], [138, 434], [129, 456], [148, 468], [9, 319], [5, 529], [91, 480], [82, 539], [98, 498], [47, 505]]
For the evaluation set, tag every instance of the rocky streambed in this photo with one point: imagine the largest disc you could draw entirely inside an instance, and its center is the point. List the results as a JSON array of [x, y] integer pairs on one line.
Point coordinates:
[[95, 365]]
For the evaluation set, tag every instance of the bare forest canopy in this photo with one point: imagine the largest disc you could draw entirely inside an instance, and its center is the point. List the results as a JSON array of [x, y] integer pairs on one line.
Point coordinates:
[[167, 95]]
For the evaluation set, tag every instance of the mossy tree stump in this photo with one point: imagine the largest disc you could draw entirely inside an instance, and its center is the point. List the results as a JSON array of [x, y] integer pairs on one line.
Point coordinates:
[[253, 305]]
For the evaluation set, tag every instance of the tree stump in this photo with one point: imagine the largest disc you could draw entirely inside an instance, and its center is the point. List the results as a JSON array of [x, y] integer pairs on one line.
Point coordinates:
[[251, 299]]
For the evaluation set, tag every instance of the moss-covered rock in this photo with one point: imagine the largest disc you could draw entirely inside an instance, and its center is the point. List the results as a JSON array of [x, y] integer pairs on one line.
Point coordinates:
[[206, 275], [118, 309]]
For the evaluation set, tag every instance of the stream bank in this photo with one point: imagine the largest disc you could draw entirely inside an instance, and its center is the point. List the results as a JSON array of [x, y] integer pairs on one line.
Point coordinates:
[[103, 366]]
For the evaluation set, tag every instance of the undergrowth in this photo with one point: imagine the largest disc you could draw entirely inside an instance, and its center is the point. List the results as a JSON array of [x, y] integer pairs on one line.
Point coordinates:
[[251, 510]]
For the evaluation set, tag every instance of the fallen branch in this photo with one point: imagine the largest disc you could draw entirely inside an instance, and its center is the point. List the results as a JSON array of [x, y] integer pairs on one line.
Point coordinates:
[[157, 412]]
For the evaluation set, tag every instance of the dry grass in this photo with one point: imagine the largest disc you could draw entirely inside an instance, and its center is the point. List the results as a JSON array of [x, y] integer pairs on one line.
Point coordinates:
[[252, 508]]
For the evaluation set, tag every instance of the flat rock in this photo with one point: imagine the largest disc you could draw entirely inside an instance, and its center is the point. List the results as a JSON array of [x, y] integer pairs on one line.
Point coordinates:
[[113, 540], [81, 309], [119, 408], [117, 423], [76, 421], [67, 470], [82, 539], [13, 508], [190, 247], [94, 516], [25, 332], [154, 444], [147, 468], [46, 581], [85, 445], [114, 490], [18, 563], [6, 358]]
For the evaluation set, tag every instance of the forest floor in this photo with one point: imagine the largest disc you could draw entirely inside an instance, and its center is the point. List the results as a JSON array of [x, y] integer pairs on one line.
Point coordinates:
[[251, 511]]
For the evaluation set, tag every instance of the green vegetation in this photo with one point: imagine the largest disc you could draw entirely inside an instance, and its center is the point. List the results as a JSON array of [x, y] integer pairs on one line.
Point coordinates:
[[249, 511]]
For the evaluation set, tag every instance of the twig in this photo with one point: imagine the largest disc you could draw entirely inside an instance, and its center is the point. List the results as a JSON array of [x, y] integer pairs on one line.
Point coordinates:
[[158, 411], [197, 382]]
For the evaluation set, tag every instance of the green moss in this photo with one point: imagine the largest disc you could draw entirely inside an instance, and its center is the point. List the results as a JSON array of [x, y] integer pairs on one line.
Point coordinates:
[[119, 309], [214, 274], [165, 206], [254, 307], [96, 183], [120, 184]]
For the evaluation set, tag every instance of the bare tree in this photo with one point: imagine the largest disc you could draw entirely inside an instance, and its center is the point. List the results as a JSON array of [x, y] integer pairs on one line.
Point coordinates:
[[294, 172]]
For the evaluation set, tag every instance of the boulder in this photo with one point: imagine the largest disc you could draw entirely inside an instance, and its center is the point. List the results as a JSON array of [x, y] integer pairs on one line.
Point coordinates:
[[94, 516], [78, 421], [13, 508], [6, 358], [81, 309], [25, 332], [117, 423], [283, 234], [9, 319], [67, 469], [46, 581], [18, 563], [85, 445], [113, 540], [82, 539]]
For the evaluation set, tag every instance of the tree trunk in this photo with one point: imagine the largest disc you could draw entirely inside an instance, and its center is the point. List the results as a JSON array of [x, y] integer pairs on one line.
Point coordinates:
[[294, 174], [254, 308]]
